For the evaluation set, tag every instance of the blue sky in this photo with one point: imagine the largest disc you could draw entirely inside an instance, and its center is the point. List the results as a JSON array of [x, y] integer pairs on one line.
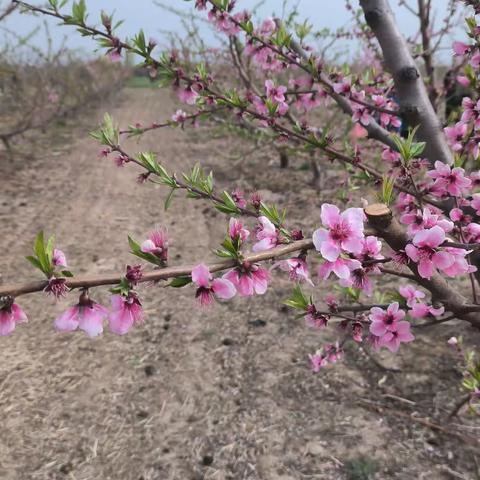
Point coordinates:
[[145, 14]]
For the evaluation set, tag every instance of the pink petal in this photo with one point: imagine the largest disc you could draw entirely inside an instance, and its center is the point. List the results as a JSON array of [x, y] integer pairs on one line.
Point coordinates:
[[425, 268], [330, 215], [412, 252], [340, 269], [321, 235], [245, 286], [120, 321], [117, 302], [265, 244], [59, 258], [390, 341], [330, 250], [223, 288], [18, 314], [419, 310], [148, 246], [355, 218], [201, 275], [268, 226], [443, 260], [7, 323], [91, 321], [353, 244], [378, 328], [432, 237], [260, 281], [68, 320], [377, 314]]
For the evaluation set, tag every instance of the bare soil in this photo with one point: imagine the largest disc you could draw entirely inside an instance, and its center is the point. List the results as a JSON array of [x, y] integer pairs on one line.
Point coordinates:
[[193, 394]]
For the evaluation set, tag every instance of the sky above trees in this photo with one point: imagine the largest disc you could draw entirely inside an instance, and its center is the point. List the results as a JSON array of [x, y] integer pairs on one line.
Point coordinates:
[[155, 21]]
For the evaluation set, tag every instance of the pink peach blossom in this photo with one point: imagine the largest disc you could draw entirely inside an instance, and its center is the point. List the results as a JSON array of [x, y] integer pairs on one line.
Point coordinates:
[[126, 312], [421, 310], [392, 340], [59, 258], [341, 267], [157, 244], [420, 220], [207, 288], [236, 230], [345, 232], [188, 95], [88, 317], [384, 321], [267, 235], [424, 251], [179, 116], [11, 314], [460, 48], [297, 269], [455, 135], [449, 180], [249, 279], [274, 93], [411, 294]]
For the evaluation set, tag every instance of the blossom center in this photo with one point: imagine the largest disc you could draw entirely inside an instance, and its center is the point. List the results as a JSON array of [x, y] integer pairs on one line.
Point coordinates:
[[340, 232]]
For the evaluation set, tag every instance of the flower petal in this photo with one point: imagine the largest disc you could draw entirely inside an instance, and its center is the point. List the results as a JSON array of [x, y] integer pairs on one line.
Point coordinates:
[[223, 288], [201, 275]]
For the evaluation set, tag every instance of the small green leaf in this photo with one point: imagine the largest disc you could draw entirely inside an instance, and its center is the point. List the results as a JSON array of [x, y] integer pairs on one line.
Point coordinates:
[[180, 282], [169, 199]]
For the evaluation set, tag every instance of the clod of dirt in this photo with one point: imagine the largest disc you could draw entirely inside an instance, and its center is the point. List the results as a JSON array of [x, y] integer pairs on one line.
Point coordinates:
[[257, 323], [207, 460], [149, 370], [167, 317], [66, 468]]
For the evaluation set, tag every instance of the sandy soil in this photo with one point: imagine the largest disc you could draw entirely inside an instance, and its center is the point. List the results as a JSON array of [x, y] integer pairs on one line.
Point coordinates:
[[222, 394]]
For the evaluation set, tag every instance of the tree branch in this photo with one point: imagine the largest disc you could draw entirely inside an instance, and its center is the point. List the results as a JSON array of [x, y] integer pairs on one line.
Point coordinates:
[[411, 92], [15, 290]]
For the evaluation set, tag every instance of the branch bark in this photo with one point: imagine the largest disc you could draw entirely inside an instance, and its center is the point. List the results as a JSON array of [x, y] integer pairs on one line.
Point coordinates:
[[154, 276], [412, 95], [380, 218]]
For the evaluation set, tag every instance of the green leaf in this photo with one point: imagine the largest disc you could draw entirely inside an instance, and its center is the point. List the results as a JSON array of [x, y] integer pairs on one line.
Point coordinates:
[[180, 282], [297, 300], [39, 249], [148, 257], [34, 261], [388, 186], [169, 199]]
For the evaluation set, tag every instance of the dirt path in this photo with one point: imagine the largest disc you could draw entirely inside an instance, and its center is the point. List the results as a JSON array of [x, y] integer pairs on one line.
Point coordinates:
[[224, 394]]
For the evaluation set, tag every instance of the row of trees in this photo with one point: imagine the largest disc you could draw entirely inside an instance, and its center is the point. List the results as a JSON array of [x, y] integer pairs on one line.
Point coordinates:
[[40, 89]]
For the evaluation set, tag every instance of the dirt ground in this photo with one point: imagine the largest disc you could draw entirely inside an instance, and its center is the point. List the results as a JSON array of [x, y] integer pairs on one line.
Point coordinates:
[[192, 394]]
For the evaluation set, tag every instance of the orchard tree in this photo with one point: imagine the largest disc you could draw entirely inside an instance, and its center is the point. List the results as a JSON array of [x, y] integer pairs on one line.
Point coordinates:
[[424, 229], [41, 89]]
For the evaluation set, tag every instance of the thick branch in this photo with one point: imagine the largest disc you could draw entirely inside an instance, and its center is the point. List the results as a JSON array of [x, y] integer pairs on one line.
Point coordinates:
[[411, 92], [381, 219]]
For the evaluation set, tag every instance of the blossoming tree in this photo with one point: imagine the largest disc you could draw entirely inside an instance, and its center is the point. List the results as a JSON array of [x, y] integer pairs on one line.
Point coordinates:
[[424, 230]]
